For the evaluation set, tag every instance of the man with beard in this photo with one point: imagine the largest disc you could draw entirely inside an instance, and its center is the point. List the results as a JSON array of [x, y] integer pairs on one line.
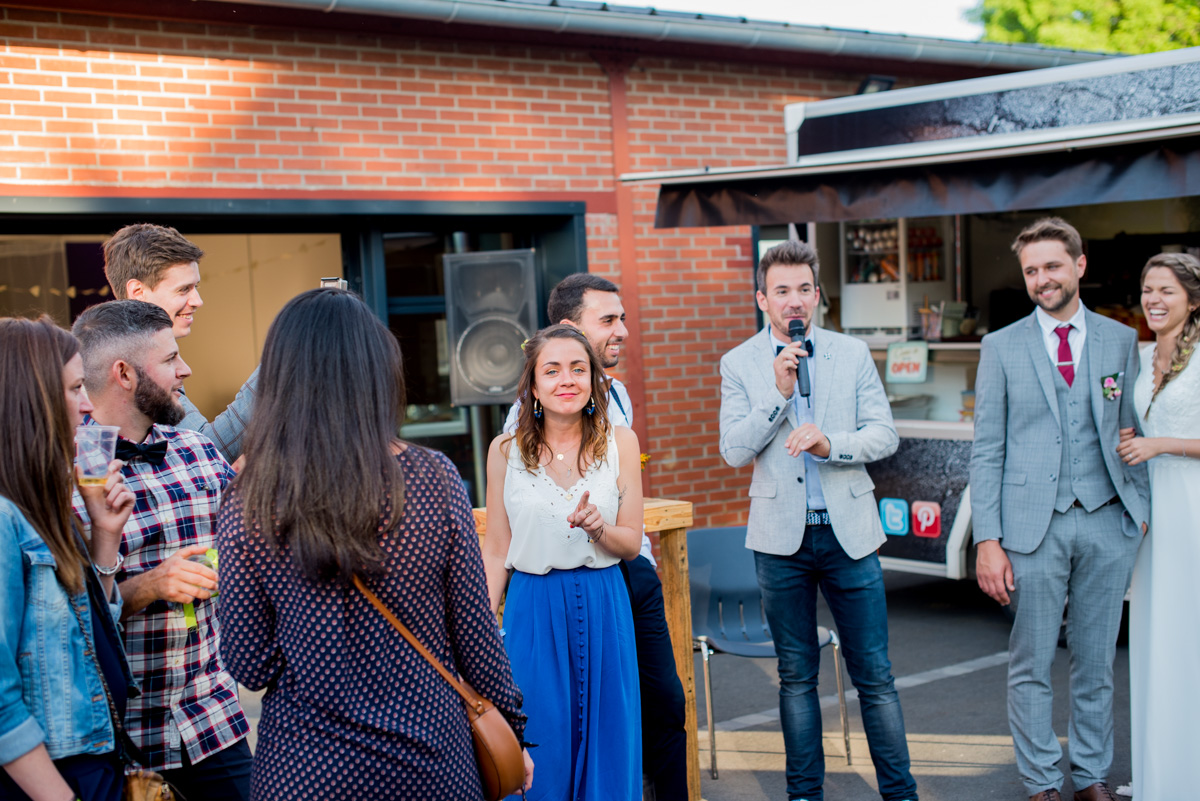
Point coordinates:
[[592, 304], [1057, 515], [159, 265], [187, 722]]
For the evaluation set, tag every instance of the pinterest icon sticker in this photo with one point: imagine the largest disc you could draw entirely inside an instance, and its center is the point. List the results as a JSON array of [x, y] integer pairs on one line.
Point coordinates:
[[926, 519]]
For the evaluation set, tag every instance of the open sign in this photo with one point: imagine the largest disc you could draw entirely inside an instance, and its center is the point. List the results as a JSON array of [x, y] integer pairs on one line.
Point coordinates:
[[907, 362]]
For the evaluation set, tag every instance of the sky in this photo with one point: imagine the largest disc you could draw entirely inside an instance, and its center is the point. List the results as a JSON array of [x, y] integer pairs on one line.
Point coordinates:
[[939, 18]]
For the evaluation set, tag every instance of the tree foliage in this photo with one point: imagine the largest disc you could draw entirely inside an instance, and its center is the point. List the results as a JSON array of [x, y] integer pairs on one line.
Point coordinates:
[[1123, 26]]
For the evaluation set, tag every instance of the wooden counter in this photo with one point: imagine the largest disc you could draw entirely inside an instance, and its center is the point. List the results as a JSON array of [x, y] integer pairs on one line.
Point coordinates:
[[671, 519]]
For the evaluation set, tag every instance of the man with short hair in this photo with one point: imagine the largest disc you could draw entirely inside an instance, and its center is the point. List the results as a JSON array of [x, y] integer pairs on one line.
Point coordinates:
[[188, 721], [593, 305], [1057, 515], [813, 520], [157, 264]]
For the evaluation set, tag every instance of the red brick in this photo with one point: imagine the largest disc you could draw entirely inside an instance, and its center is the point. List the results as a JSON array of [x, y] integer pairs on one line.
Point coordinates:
[[207, 106]]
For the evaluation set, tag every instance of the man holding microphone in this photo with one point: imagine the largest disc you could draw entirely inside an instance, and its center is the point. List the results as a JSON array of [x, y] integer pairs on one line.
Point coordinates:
[[813, 520]]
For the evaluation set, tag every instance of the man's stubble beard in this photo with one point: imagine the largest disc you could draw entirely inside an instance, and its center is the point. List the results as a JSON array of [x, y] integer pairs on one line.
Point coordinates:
[[1067, 297], [156, 403]]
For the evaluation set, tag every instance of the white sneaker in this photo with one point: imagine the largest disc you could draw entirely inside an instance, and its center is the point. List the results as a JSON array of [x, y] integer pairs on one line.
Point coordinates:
[[1125, 790]]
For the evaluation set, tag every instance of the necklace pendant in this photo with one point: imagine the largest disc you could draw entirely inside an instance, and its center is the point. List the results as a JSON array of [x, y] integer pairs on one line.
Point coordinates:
[[559, 457]]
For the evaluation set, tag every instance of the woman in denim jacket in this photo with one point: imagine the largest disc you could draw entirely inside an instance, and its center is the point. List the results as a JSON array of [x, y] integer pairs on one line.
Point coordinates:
[[59, 644]]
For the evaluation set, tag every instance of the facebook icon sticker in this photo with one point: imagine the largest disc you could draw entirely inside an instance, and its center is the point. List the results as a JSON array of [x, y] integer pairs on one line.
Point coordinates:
[[893, 513]]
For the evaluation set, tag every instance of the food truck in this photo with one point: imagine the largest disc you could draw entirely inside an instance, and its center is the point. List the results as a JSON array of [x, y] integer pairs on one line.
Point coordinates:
[[913, 197]]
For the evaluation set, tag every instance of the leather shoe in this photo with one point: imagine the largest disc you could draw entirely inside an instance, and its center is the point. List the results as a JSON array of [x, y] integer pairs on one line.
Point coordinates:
[[1049, 794], [1100, 791]]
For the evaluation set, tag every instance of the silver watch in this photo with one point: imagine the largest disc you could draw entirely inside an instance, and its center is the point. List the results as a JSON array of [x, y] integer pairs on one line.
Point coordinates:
[[111, 571]]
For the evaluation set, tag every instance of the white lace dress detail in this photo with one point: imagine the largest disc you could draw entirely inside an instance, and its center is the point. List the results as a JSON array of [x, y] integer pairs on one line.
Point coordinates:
[[1164, 640], [537, 507]]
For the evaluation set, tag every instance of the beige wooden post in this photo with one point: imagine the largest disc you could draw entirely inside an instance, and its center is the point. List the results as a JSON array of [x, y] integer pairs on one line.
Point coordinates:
[[671, 520]]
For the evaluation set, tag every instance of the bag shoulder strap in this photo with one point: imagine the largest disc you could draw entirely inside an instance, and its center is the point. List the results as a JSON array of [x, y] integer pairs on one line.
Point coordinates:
[[472, 698]]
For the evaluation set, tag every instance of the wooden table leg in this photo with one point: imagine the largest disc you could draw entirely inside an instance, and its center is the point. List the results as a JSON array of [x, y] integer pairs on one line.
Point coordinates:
[[677, 600]]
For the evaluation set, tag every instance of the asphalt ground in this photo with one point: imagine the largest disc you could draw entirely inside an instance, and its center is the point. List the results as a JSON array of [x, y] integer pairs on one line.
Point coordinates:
[[948, 645]]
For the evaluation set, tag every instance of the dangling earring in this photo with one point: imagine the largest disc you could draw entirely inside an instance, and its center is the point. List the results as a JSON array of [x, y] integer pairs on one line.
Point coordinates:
[[591, 407], [537, 409]]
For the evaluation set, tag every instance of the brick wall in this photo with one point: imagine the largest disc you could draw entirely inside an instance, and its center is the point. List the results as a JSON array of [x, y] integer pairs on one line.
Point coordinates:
[[140, 103], [122, 106]]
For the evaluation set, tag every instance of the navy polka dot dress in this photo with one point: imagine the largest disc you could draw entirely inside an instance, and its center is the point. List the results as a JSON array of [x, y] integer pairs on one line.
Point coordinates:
[[351, 710]]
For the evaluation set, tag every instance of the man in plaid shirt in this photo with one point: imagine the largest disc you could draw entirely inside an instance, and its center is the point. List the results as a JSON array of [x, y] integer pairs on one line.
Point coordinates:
[[159, 265], [187, 720]]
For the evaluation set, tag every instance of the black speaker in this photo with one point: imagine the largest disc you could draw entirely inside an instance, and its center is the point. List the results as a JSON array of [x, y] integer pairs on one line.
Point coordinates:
[[491, 309]]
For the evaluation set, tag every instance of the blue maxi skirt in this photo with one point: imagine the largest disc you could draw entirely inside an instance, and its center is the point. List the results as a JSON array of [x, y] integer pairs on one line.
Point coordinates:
[[571, 644]]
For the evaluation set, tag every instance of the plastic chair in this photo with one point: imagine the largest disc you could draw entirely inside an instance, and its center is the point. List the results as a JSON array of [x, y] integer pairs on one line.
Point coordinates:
[[728, 616]]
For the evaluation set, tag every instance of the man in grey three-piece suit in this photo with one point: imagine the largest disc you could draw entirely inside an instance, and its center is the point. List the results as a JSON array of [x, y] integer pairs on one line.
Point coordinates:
[[1057, 515], [813, 519]]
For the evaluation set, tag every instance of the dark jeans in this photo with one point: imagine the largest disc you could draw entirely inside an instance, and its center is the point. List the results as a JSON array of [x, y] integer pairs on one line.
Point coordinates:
[[664, 738], [854, 590], [223, 776]]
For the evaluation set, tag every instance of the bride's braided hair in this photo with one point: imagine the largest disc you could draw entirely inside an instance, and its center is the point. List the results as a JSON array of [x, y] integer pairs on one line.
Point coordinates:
[[1186, 269]]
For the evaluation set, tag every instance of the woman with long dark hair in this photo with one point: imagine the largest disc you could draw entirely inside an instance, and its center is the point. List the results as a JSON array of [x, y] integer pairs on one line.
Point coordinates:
[[329, 493], [564, 505], [61, 658], [1164, 641]]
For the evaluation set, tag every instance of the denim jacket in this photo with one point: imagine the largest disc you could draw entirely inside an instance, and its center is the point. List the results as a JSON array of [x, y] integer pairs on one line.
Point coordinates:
[[50, 690]]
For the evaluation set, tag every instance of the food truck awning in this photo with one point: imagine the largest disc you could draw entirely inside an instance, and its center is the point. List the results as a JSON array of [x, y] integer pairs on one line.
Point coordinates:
[[1119, 130]]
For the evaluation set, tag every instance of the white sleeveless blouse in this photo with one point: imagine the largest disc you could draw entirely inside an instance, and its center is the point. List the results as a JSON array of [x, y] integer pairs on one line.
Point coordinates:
[[542, 539]]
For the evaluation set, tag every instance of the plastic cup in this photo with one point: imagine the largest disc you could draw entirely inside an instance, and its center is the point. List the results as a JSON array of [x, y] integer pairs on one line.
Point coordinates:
[[208, 559], [95, 448]]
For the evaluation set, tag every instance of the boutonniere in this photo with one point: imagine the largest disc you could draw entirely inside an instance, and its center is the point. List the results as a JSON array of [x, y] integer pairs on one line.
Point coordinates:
[[1111, 385]]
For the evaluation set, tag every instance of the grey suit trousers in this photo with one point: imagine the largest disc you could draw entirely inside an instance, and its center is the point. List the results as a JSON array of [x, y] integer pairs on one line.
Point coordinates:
[[1086, 562]]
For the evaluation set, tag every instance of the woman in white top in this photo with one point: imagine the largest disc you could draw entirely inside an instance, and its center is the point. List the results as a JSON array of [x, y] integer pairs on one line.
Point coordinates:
[[564, 503], [1164, 640]]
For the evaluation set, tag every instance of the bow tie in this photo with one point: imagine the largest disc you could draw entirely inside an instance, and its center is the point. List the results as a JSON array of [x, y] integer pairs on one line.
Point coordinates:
[[808, 346], [154, 454]]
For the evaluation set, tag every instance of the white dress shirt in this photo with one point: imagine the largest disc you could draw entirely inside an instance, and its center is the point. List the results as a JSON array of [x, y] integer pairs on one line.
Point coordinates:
[[803, 413], [1075, 338]]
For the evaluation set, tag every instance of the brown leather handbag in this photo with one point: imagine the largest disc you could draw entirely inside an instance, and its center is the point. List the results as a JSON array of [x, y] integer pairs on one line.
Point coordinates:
[[146, 785], [497, 751]]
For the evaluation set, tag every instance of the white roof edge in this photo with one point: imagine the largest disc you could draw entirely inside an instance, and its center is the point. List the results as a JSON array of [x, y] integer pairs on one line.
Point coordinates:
[[996, 83], [944, 150], [724, 31]]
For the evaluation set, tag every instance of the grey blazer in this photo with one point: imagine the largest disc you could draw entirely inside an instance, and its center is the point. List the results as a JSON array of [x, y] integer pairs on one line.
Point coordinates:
[[1018, 436], [851, 409]]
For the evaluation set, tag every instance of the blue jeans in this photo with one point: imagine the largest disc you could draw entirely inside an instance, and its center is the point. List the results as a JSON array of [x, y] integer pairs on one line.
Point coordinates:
[[854, 591]]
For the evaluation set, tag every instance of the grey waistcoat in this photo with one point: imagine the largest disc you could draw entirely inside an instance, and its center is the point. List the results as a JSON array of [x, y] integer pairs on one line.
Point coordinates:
[[1081, 473]]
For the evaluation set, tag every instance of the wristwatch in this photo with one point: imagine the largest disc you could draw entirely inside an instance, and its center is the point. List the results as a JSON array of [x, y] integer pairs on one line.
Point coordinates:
[[111, 571]]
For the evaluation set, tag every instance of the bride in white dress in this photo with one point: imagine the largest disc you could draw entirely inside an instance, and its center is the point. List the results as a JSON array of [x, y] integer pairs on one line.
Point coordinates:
[[1164, 614]]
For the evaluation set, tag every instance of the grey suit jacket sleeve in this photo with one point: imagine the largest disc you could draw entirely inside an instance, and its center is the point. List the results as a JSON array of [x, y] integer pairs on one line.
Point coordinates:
[[228, 429], [1129, 419], [988, 451], [875, 437], [747, 424]]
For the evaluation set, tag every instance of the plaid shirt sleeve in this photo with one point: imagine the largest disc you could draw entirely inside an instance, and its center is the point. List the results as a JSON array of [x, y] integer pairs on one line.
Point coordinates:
[[227, 430], [188, 699]]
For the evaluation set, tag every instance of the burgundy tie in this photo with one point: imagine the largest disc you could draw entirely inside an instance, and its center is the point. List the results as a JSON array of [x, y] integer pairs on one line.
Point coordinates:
[[1066, 365]]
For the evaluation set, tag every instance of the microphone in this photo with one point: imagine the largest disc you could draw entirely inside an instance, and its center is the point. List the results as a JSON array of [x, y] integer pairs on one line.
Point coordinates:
[[796, 332]]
